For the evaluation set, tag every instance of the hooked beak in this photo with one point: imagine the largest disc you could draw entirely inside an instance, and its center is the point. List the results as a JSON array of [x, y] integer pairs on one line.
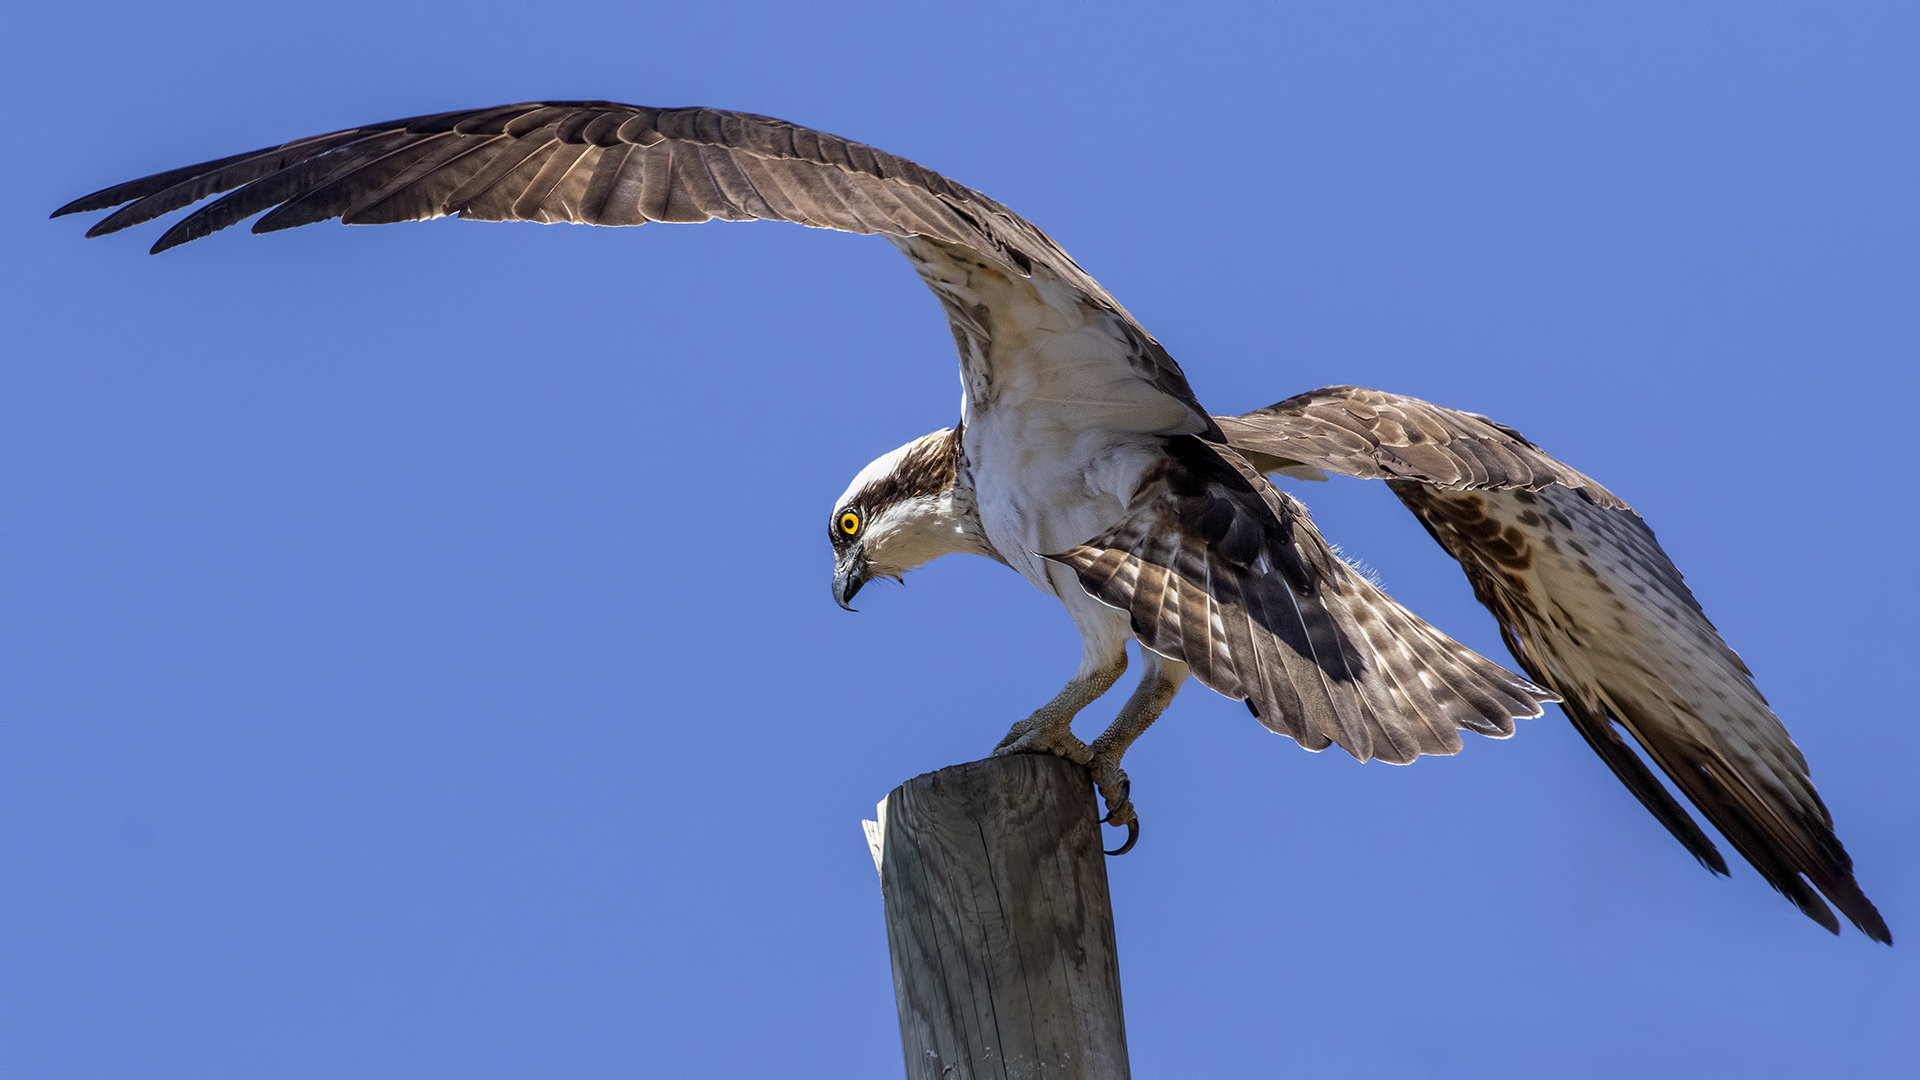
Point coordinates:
[[849, 575]]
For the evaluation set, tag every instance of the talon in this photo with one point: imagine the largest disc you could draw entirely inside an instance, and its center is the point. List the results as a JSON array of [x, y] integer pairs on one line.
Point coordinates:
[[1133, 835], [1058, 741]]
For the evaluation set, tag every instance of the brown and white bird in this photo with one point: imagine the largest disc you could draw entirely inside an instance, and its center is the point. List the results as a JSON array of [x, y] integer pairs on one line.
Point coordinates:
[[1082, 461]]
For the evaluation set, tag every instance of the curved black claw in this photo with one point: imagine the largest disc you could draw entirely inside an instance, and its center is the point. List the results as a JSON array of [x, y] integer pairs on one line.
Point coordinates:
[[1133, 836]]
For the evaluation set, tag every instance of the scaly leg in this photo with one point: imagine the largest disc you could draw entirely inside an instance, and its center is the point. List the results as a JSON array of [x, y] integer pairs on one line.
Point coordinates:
[[1158, 683], [1050, 729]]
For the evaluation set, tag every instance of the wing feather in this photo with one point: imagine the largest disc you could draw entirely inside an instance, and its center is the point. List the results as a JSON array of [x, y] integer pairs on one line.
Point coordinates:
[[605, 163], [1594, 610], [166, 192], [259, 194], [1268, 615], [421, 191], [1374, 435]]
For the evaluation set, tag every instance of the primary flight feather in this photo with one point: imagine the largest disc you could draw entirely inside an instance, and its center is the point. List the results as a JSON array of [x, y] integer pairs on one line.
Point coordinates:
[[1083, 461]]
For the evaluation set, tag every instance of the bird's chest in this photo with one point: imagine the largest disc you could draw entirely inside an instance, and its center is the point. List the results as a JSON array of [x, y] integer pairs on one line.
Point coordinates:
[[1042, 488]]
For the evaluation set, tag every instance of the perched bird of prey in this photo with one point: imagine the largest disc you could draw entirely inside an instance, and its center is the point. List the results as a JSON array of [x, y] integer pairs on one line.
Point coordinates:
[[1082, 461]]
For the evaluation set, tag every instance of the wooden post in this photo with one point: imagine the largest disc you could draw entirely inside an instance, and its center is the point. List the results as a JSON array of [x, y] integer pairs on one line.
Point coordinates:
[[999, 925]]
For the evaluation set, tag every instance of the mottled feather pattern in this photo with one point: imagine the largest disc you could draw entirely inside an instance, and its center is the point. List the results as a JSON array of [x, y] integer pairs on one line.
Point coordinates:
[[1593, 608], [1218, 568], [1374, 435]]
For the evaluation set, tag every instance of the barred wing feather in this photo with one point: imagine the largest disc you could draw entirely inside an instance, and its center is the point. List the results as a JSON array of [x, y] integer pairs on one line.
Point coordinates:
[[1220, 569], [1594, 610]]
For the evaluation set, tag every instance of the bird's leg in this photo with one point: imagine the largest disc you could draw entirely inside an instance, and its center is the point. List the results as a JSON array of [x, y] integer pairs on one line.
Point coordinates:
[[1050, 729], [1158, 683]]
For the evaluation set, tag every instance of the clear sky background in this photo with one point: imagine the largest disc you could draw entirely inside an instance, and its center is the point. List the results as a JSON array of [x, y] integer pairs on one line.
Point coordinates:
[[419, 656]]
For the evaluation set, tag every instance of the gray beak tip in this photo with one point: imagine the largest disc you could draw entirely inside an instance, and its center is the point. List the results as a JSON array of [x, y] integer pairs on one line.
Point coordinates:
[[848, 578]]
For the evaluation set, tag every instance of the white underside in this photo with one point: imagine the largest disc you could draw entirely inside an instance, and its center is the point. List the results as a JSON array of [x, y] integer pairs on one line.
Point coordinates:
[[1061, 424]]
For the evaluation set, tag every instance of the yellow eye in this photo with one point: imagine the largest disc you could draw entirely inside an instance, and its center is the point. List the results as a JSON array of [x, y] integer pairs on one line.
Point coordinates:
[[849, 523]]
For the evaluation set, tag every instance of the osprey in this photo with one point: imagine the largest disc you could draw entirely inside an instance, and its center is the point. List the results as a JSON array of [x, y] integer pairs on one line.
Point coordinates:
[[1082, 461]]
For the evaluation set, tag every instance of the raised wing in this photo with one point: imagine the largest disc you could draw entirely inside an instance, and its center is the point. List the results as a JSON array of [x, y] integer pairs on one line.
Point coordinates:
[[1220, 569], [603, 163], [1354, 431], [1594, 610]]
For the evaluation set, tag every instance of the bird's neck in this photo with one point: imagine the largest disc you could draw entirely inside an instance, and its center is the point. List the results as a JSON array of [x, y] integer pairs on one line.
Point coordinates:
[[925, 527]]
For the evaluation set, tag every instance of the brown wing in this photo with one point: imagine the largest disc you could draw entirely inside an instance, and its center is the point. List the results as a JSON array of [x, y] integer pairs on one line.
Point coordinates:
[[603, 163], [592, 162], [1220, 569], [1594, 610], [1379, 436]]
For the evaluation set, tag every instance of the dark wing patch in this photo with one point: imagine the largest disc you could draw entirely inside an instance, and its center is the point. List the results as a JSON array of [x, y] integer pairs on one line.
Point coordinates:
[[1593, 608], [1379, 436], [1221, 570]]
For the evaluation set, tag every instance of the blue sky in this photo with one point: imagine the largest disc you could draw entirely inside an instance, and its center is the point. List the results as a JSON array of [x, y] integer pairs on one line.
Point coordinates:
[[419, 654]]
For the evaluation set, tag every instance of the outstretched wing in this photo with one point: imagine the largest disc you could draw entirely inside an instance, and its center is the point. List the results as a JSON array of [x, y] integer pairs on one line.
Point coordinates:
[[1220, 569], [1378, 436], [1593, 609], [1019, 306]]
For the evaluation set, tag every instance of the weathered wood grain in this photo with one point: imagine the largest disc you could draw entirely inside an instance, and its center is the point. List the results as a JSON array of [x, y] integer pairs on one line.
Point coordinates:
[[999, 924]]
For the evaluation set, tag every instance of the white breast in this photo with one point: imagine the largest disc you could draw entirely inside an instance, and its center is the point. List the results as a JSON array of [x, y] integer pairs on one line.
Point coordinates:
[[1062, 411]]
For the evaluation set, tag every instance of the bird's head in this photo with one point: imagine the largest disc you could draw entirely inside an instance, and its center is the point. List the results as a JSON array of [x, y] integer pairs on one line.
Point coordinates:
[[905, 509]]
